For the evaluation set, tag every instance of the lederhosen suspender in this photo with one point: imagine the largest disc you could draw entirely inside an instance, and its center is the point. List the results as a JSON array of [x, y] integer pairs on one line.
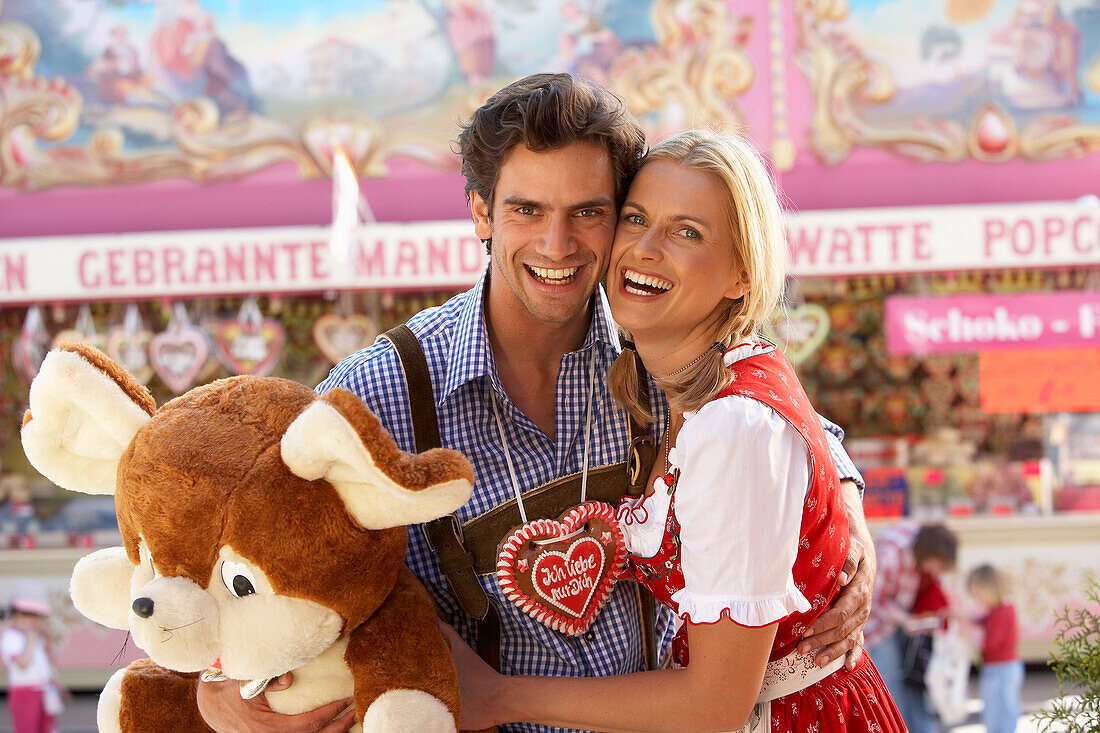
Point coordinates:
[[465, 551]]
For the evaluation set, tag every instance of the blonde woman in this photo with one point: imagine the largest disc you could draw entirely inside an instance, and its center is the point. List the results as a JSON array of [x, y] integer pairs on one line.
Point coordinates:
[[744, 532]]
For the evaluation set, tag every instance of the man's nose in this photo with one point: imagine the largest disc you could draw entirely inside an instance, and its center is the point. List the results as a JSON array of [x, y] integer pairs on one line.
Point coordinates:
[[558, 242]]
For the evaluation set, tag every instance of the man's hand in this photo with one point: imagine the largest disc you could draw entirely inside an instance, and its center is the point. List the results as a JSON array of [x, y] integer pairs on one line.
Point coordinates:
[[223, 709], [839, 630]]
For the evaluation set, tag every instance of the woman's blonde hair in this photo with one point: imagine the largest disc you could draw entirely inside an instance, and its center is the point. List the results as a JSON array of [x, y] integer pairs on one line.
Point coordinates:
[[990, 579], [759, 244]]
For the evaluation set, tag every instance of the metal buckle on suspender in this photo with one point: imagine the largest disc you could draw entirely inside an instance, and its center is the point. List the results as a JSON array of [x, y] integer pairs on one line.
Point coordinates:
[[456, 530]]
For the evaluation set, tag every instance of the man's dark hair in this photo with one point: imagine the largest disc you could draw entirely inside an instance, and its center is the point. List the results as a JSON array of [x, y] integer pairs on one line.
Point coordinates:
[[936, 541], [547, 112]]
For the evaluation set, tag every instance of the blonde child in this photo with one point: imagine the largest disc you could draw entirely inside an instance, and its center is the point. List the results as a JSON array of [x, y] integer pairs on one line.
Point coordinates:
[[25, 650], [1002, 674]]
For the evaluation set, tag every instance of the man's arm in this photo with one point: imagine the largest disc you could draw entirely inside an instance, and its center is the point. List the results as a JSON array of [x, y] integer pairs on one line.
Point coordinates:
[[839, 630]]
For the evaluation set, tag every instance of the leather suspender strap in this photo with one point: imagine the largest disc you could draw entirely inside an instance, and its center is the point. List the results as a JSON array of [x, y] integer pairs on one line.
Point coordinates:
[[463, 550], [443, 535]]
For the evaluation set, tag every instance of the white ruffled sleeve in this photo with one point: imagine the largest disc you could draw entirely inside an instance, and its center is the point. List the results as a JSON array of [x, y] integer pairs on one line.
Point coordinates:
[[744, 475]]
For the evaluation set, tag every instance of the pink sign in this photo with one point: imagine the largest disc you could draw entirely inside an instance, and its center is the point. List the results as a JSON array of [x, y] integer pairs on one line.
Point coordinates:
[[969, 323]]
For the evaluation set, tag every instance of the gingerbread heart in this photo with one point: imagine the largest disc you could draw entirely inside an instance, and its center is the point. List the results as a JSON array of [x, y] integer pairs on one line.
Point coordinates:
[[338, 337], [130, 348], [562, 572], [27, 352], [799, 331], [247, 347], [178, 355]]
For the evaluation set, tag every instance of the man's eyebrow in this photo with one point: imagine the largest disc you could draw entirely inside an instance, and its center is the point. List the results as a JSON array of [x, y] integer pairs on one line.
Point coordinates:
[[520, 201], [593, 204]]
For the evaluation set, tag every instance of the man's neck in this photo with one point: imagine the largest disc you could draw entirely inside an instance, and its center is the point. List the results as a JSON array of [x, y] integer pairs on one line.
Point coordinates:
[[528, 352]]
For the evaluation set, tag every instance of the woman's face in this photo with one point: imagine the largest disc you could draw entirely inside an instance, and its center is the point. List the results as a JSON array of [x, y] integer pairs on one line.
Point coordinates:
[[673, 265]]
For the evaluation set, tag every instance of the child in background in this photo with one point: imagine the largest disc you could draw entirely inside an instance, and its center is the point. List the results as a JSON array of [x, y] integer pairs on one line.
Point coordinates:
[[1002, 674], [25, 651]]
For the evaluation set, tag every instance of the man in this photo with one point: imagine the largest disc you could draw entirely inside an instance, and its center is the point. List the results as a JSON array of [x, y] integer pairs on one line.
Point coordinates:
[[515, 361], [906, 554]]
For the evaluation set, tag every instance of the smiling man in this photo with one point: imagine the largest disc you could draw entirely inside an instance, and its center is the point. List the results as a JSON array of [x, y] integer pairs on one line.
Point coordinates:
[[518, 369]]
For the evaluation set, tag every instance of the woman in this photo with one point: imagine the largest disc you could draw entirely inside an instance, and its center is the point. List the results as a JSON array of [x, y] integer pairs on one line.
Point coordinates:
[[744, 533]]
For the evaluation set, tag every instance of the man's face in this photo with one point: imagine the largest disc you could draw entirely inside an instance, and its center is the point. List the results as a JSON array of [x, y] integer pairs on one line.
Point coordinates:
[[552, 223]]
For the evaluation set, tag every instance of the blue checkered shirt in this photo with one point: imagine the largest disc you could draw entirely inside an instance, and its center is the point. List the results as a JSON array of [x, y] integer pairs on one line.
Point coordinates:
[[465, 383]]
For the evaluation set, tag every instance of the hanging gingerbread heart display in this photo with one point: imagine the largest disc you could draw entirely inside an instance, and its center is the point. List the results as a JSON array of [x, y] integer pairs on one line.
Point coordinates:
[[30, 346], [338, 337], [179, 352], [562, 572], [82, 332], [128, 344], [249, 343]]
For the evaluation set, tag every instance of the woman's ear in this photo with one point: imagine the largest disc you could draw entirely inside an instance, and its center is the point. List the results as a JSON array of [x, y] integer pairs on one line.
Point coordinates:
[[740, 287], [482, 216]]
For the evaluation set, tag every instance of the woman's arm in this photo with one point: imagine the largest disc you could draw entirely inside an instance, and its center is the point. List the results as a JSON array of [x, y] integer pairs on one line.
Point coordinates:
[[715, 693]]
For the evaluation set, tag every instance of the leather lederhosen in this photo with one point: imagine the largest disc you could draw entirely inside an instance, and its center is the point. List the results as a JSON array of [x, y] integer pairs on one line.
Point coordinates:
[[466, 550]]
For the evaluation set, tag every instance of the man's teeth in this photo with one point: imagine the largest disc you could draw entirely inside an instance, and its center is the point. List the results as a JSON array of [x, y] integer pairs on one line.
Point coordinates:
[[638, 284], [556, 276]]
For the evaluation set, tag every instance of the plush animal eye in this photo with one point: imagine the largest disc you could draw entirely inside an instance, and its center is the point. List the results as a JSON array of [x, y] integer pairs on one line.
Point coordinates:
[[238, 579]]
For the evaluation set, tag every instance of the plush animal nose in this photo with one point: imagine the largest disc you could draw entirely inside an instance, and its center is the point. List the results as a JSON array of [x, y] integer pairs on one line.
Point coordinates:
[[143, 607]]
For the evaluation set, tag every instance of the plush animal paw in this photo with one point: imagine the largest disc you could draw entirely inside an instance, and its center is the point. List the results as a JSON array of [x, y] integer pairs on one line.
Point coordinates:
[[399, 711]]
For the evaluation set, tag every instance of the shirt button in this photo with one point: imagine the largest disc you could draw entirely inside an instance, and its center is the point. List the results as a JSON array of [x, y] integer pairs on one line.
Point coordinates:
[[590, 636]]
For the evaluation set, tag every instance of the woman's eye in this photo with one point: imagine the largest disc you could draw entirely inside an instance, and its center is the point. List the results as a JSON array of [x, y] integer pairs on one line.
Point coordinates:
[[634, 219], [691, 233], [238, 579]]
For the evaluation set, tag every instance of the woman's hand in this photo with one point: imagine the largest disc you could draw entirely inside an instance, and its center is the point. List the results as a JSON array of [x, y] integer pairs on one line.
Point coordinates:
[[481, 686], [223, 709]]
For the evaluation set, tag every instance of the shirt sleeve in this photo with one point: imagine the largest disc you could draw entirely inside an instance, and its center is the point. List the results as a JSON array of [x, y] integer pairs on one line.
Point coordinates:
[[847, 470], [12, 644], [744, 475]]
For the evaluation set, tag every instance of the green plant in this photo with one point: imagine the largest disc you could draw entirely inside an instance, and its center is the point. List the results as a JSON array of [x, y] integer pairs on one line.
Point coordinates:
[[1076, 663]]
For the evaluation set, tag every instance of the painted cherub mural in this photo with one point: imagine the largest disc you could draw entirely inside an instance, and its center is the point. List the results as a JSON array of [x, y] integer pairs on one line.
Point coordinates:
[[470, 32], [1042, 49]]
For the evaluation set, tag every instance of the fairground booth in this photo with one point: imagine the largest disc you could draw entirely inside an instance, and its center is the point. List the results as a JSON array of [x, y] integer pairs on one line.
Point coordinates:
[[167, 189]]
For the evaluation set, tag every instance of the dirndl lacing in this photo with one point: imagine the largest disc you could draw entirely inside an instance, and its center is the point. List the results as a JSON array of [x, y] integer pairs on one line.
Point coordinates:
[[783, 677]]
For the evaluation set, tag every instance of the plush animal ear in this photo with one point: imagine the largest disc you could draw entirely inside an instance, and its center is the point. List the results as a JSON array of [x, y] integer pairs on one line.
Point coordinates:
[[338, 439], [100, 587], [84, 411]]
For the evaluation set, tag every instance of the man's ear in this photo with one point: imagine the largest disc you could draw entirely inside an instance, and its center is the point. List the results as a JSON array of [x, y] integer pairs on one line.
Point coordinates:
[[482, 216]]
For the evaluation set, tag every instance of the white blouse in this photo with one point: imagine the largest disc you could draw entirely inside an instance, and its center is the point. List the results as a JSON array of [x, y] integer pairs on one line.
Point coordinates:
[[744, 477]]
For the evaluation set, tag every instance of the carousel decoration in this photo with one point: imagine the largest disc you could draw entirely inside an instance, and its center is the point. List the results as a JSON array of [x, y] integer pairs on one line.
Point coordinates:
[[695, 72], [1033, 66]]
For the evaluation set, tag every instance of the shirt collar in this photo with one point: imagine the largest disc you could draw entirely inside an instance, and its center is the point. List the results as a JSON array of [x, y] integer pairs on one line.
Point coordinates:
[[471, 356]]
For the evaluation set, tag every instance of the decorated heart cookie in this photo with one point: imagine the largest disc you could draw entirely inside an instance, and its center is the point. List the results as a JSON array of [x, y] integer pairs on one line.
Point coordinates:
[[338, 337], [128, 344], [30, 346], [178, 355], [561, 572], [798, 331], [249, 343]]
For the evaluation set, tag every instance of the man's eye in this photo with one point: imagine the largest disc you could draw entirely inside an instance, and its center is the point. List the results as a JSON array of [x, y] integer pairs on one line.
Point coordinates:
[[588, 212], [526, 210]]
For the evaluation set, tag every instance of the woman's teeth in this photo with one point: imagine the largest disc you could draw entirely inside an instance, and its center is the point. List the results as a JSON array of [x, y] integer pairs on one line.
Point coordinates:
[[555, 276], [636, 283]]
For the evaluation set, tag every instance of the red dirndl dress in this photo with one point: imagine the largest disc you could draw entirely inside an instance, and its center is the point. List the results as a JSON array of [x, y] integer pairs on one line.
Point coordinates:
[[845, 700]]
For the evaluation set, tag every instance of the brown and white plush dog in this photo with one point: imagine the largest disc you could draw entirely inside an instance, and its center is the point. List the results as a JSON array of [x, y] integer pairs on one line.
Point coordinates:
[[264, 532]]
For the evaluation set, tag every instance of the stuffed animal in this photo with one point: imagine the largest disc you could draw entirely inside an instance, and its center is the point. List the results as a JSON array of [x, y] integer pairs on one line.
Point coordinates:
[[264, 532]]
